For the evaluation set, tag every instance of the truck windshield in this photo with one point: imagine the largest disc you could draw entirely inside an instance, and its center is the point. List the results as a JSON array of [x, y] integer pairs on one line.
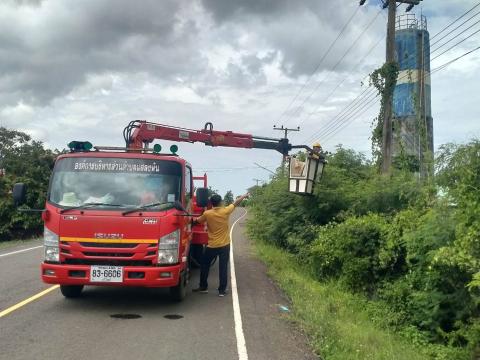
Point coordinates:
[[113, 183]]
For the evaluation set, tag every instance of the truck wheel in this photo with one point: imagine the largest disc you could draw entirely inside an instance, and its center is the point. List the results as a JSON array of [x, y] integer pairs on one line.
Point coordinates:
[[178, 293], [71, 291]]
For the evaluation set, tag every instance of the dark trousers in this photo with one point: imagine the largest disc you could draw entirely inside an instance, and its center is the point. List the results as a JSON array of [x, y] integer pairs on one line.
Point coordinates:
[[223, 254]]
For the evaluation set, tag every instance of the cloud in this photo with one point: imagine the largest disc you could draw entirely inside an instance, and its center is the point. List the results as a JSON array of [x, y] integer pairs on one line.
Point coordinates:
[[301, 31], [54, 47]]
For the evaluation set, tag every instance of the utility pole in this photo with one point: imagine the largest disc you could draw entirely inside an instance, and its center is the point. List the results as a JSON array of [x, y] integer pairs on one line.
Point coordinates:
[[286, 131], [387, 116], [387, 132], [257, 181]]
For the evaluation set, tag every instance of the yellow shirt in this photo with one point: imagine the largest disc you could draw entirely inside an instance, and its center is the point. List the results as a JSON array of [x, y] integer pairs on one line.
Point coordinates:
[[217, 225]]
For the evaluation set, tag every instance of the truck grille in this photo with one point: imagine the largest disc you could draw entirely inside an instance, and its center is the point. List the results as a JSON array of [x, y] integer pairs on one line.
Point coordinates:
[[109, 254], [120, 254], [108, 245], [108, 262]]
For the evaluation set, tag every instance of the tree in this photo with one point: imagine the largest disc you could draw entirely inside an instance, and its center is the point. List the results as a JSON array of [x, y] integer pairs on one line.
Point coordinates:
[[228, 198], [27, 161]]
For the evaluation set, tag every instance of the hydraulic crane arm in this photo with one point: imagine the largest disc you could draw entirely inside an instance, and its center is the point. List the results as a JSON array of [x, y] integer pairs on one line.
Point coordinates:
[[140, 133]]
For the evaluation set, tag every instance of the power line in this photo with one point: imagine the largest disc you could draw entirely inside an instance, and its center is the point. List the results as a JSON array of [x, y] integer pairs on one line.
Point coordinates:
[[456, 59], [355, 111], [455, 45], [440, 46], [372, 94], [320, 62], [437, 69], [344, 79], [459, 26], [367, 107], [459, 18], [337, 63], [352, 104], [456, 36], [230, 169]]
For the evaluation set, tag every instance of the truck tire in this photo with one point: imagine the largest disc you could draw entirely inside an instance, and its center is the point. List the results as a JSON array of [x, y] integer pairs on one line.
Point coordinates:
[[178, 293], [71, 291]]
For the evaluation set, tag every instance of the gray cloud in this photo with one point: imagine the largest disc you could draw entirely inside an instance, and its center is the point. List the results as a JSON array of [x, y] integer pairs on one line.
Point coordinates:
[[46, 58], [24, 2], [301, 31]]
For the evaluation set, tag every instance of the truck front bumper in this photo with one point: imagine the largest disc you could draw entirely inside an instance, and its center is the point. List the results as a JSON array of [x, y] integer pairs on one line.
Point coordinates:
[[66, 274]]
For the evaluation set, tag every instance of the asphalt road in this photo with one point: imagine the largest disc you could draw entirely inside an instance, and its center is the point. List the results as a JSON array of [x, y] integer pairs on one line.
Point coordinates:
[[203, 326]]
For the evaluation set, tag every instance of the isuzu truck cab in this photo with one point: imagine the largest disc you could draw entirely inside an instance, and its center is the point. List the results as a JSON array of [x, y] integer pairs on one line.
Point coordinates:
[[119, 218]]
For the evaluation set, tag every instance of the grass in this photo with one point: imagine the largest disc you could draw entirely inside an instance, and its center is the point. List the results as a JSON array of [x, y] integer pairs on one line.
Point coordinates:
[[340, 325]]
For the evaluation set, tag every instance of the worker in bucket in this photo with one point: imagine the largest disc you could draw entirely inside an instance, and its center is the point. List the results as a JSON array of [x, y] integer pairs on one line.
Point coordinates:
[[317, 149], [217, 220]]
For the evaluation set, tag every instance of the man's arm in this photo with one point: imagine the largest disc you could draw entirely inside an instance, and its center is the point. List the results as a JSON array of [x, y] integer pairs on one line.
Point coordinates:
[[240, 199], [199, 220]]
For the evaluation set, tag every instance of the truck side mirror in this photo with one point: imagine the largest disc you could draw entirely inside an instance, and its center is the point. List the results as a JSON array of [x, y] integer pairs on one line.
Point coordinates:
[[202, 197], [178, 206], [19, 194]]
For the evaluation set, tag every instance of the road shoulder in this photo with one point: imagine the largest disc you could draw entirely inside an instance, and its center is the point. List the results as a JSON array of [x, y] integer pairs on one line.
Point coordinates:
[[268, 332]]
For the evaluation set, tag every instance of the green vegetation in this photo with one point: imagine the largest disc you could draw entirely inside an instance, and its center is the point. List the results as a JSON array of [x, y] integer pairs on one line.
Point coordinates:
[[402, 245], [341, 325], [228, 198], [27, 161]]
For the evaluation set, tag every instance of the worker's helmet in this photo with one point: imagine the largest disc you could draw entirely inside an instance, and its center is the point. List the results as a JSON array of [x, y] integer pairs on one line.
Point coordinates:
[[317, 144]]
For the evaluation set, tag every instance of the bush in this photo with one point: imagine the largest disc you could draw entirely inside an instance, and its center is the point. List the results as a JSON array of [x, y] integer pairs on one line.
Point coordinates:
[[350, 251], [408, 243]]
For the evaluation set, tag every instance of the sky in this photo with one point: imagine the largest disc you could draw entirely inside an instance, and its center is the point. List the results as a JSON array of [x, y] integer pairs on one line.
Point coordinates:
[[81, 70]]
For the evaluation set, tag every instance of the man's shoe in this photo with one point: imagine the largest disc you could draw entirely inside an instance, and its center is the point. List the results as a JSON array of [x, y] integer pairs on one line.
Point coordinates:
[[222, 293], [201, 290]]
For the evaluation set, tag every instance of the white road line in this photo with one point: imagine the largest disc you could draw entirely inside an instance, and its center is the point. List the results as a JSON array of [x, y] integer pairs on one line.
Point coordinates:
[[237, 316], [20, 251]]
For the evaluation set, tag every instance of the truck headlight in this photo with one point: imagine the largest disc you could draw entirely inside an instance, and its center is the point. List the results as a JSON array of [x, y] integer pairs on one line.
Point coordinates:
[[168, 248], [50, 244]]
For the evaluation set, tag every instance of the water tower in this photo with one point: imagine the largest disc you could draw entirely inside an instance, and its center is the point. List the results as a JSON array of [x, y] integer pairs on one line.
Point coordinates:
[[412, 111]]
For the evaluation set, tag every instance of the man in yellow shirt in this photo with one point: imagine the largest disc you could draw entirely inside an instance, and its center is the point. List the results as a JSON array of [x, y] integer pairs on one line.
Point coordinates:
[[218, 241]]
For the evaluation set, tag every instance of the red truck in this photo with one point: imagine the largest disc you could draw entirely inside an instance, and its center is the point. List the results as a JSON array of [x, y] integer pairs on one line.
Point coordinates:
[[123, 215]]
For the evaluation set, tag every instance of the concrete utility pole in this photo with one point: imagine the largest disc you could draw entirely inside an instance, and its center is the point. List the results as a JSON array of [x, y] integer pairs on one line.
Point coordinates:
[[387, 116], [286, 131], [387, 133], [257, 181]]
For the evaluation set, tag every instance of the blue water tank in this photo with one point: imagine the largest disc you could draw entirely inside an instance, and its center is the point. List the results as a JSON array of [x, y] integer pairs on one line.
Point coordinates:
[[413, 56]]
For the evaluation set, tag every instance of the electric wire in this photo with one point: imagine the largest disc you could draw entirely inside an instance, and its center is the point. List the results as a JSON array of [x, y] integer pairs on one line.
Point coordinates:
[[343, 80], [459, 18], [352, 111], [315, 134], [336, 64], [455, 45], [456, 59], [367, 107], [355, 113], [456, 36], [328, 136], [320, 63], [459, 26], [232, 169]]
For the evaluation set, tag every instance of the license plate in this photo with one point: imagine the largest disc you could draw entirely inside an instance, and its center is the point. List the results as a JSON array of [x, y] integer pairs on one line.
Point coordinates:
[[112, 274]]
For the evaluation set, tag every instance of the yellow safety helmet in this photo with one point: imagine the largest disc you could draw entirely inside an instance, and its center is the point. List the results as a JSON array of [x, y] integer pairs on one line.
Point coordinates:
[[317, 144]]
